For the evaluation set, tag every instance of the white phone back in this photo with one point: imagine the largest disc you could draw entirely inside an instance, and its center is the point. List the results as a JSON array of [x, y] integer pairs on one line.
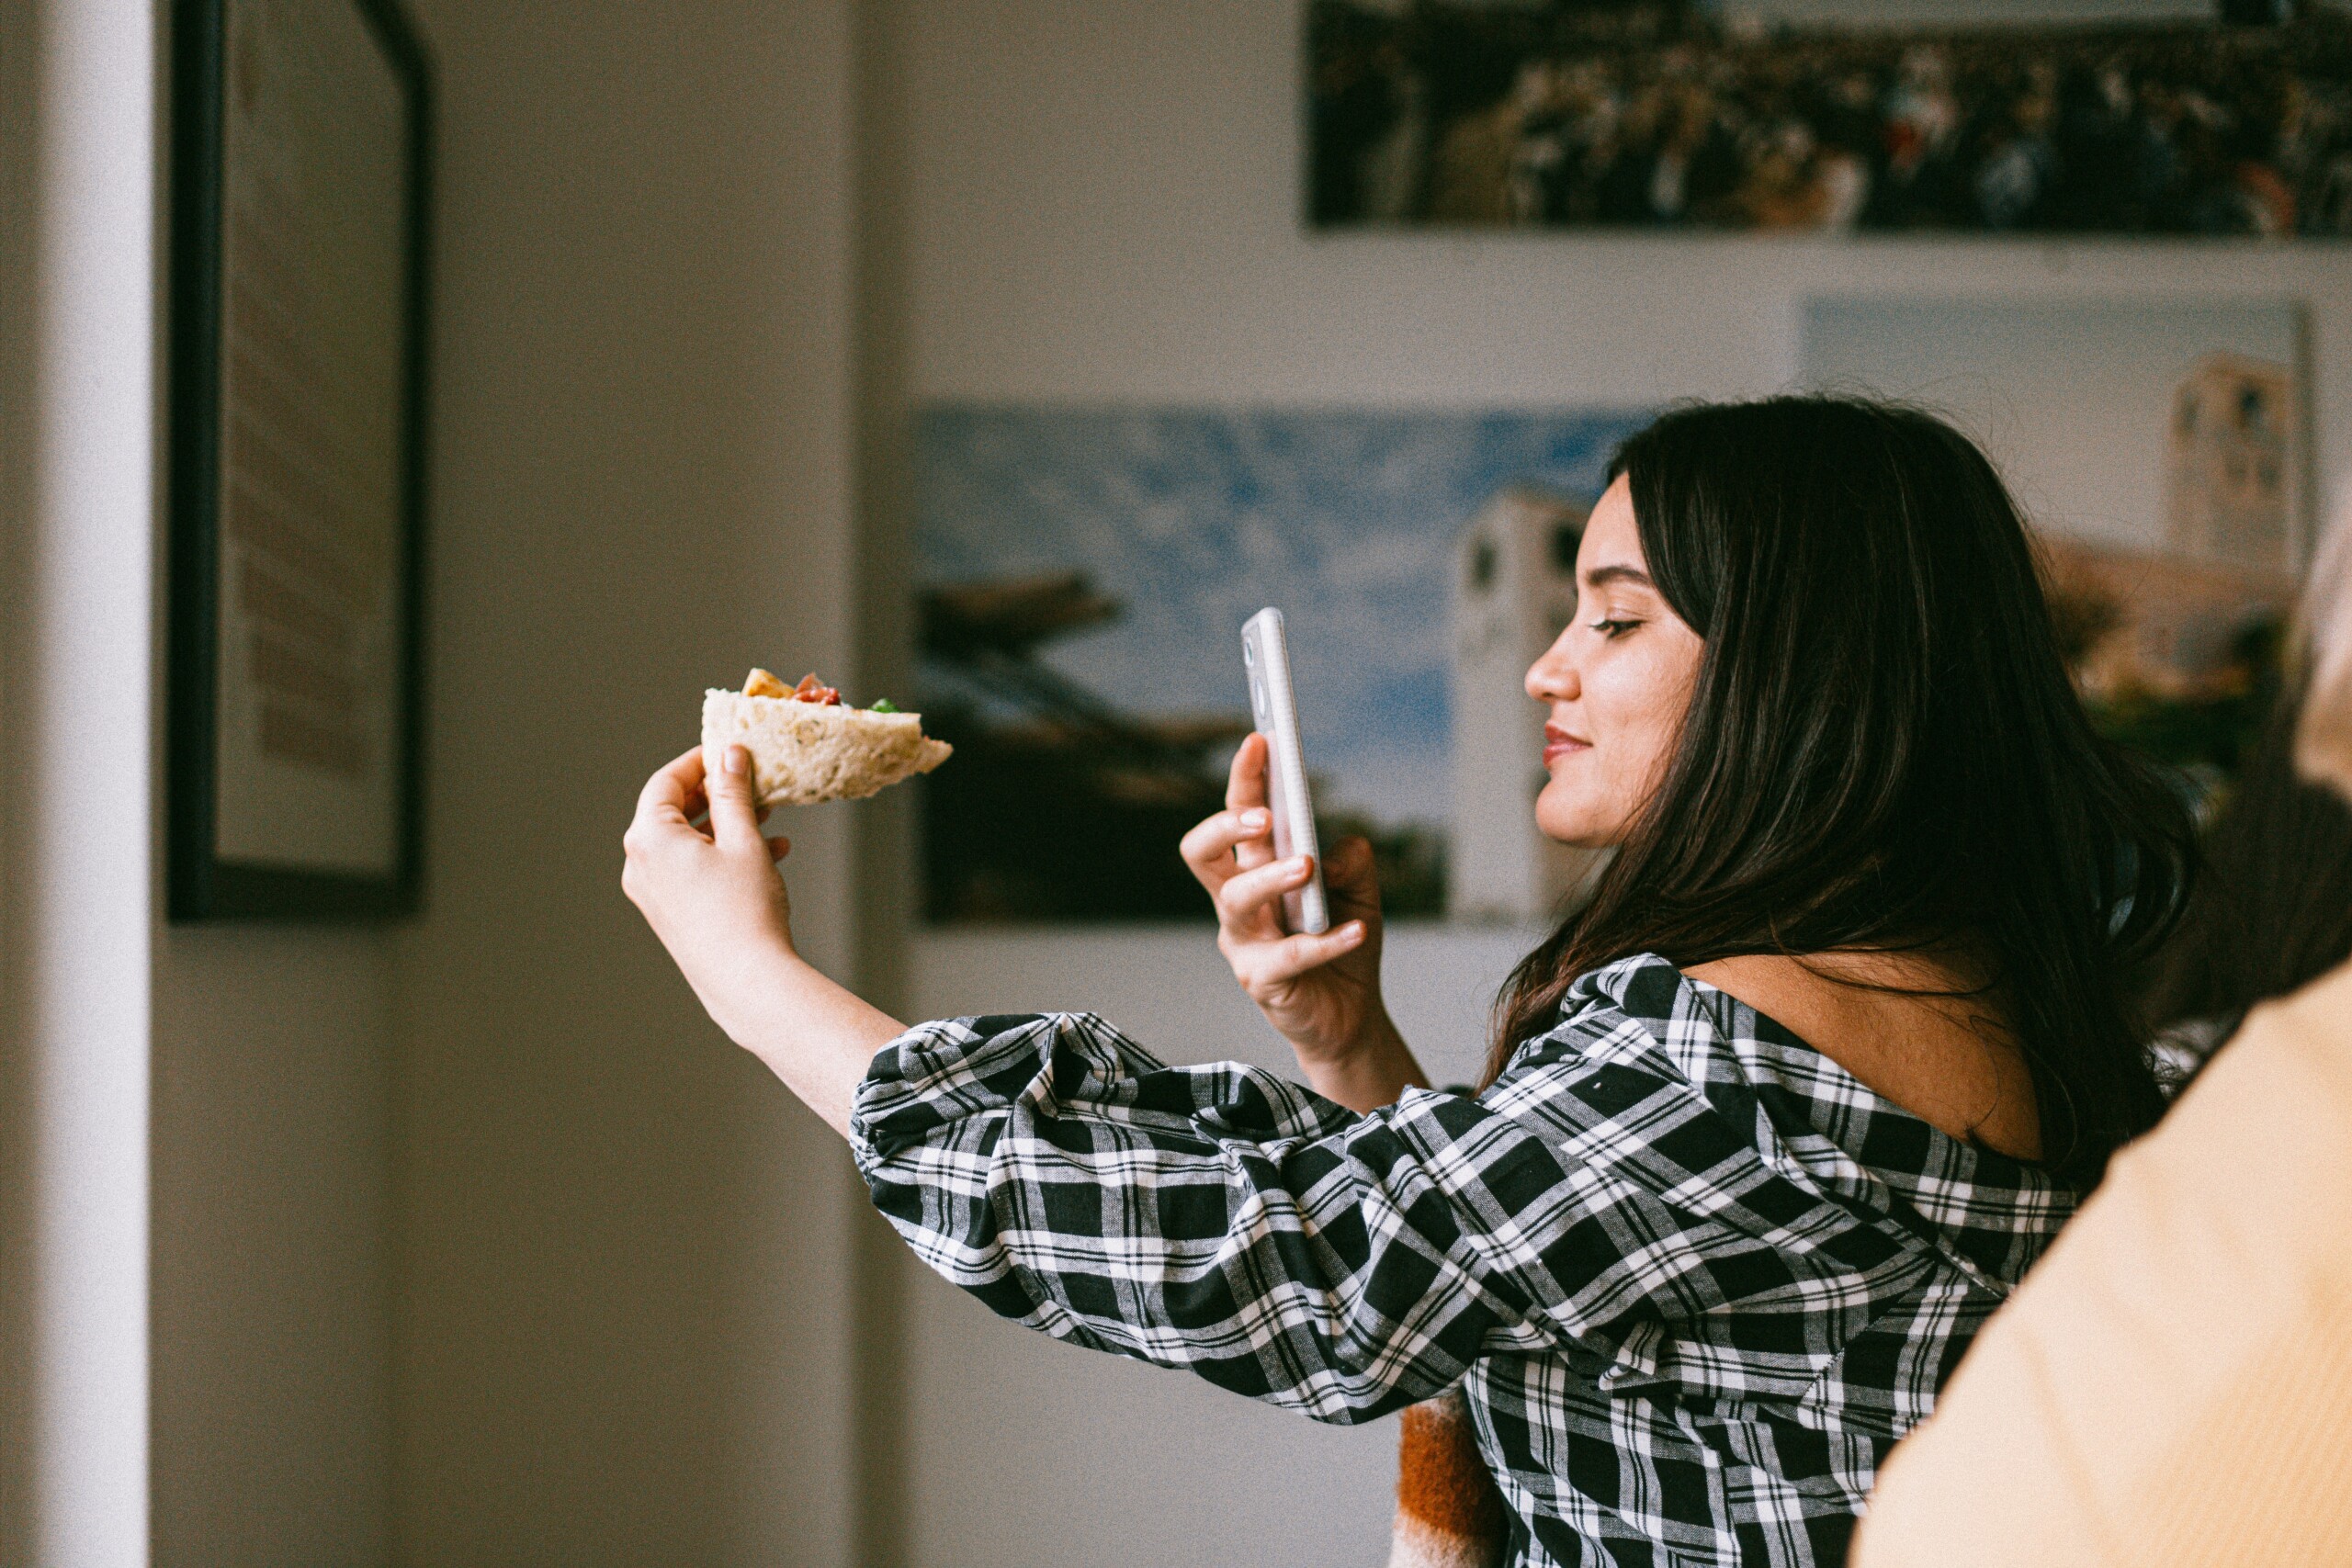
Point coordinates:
[[1265, 658]]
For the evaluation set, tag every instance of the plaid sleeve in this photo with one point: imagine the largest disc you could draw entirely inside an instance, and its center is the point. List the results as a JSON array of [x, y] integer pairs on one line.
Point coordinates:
[[1224, 1221]]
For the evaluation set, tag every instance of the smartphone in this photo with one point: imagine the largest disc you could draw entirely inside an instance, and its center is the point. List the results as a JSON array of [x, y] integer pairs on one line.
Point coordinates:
[[1265, 658]]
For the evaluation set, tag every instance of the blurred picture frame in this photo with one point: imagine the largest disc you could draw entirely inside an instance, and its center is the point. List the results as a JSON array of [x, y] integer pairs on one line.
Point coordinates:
[[2160, 448], [302, 134], [2140, 118]]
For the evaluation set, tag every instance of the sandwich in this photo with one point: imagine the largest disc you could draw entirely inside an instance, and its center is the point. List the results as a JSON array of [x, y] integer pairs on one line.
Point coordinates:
[[808, 746]]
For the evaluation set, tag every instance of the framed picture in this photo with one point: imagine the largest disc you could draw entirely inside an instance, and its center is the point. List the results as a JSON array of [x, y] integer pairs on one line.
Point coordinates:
[[2138, 118], [300, 137], [1084, 573]]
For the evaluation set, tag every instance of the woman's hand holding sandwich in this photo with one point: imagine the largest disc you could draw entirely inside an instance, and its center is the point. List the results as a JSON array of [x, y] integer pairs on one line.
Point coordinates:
[[1321, 993], [712, 897]]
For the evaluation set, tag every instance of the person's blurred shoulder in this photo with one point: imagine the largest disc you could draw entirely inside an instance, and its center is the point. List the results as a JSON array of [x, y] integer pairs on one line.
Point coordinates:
[[2317, 1019], [2183, 1350]]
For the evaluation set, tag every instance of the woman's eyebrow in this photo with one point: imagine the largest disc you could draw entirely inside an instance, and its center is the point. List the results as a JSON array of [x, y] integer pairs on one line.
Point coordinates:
[[1632, 574]]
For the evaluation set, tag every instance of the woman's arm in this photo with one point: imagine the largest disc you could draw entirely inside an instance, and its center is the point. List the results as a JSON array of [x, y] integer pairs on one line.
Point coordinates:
[[1376, 1073], [1222, 1220], [1218, 1218], [718, 904], [715, 900]]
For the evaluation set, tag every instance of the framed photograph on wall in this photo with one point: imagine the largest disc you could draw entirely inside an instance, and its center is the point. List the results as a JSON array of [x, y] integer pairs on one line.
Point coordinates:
[[2146, 119], [300, 141]]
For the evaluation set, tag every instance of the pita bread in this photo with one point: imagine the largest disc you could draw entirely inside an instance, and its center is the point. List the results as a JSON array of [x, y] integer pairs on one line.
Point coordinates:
[[806, 753]]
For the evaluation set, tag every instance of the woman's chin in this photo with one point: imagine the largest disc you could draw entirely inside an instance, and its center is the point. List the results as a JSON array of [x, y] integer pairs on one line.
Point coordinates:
[[1563, 822]]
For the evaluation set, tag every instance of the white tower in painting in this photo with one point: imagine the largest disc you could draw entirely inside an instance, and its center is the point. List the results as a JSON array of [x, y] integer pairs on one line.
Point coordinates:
[[1514, 589], [2231, 492]]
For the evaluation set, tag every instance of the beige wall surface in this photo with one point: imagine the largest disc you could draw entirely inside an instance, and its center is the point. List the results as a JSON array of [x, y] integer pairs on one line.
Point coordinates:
[[1103, 207], [622, 1323], [624, 1255], [19, 155], [270, 1287]]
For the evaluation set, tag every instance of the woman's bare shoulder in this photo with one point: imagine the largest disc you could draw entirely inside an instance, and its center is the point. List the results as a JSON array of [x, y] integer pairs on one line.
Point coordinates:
[[1910, 1027]]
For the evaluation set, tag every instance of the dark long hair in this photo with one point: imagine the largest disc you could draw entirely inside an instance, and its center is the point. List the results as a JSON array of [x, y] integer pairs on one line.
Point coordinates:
[[1882, 751]]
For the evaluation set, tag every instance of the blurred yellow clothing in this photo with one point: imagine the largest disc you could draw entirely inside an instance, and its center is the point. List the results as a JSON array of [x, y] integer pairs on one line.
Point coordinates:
[[2173, 1383]]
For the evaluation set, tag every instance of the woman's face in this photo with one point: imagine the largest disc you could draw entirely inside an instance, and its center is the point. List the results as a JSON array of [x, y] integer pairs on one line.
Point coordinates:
[[1617, 682]]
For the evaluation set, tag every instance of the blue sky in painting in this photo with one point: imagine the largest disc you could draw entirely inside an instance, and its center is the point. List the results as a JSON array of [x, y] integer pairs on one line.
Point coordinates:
[[1195, 518]]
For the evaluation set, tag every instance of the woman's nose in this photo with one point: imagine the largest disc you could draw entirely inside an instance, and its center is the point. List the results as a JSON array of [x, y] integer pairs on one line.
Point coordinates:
[[1553, 678]]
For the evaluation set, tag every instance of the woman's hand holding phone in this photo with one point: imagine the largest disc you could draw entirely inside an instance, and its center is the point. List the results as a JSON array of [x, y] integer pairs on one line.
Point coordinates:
[[1321, 993]]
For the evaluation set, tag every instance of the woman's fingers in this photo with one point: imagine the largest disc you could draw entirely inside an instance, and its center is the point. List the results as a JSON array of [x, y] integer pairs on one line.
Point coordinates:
[[667, 805], [1208, 848], [1245, 790], [779, 848], [675, 786], [1239, 838], [1272, 962], [734, 815], [682, 790], [1247, 897], [1245, 780]]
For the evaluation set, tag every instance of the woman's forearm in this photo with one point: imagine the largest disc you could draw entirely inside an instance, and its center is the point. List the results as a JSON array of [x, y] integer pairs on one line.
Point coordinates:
[[816, 1035], [1375, 1072], [819, 1038]]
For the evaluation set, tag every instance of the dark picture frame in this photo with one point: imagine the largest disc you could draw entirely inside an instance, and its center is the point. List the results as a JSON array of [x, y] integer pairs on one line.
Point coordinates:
[[297, 386]]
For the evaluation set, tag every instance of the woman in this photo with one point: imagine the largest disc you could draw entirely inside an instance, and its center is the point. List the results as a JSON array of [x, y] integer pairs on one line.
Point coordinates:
[[1771, 1125]]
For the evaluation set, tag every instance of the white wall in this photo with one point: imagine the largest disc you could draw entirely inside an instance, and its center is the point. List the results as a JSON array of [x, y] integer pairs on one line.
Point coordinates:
[[76, 461], [195, 1164], [1103, 206], [623, 1321]]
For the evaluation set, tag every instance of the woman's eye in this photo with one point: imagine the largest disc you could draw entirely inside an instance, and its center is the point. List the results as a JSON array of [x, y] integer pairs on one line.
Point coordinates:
[[1614, 629]]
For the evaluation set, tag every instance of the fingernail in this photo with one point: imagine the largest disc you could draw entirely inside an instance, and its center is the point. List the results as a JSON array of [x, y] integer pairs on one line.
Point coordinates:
[[1297, 868], [1252, 821], [736, 760]]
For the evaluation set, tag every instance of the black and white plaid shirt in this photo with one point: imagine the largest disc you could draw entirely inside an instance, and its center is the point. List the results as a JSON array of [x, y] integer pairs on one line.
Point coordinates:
[[1698, 1278]]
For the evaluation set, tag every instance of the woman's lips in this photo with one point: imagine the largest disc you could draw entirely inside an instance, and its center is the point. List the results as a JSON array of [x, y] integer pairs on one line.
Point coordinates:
[[1559, 743]]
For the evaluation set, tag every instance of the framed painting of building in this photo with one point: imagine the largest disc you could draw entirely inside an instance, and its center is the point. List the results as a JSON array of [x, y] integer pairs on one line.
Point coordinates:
[[298, 242]]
